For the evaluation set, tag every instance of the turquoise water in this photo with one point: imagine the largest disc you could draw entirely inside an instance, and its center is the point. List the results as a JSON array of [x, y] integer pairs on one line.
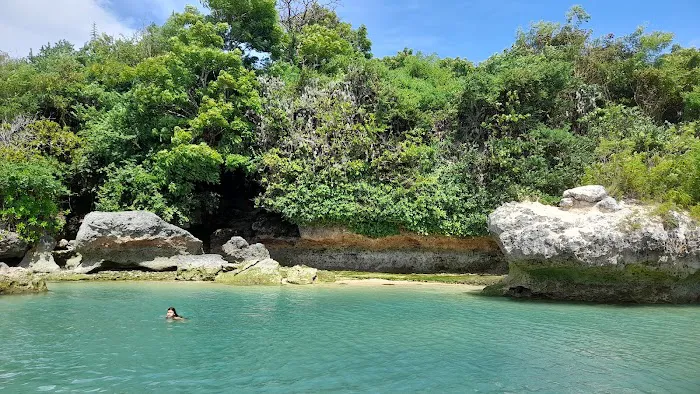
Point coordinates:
[[111, 337]]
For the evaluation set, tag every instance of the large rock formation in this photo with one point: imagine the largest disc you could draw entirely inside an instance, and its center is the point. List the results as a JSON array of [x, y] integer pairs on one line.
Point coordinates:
[[15, 280], [597, 250], [12, 247], [130, 240]]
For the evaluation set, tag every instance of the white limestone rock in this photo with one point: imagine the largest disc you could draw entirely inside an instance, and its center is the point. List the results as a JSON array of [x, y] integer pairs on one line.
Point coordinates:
[[590, 193], [40, 257]]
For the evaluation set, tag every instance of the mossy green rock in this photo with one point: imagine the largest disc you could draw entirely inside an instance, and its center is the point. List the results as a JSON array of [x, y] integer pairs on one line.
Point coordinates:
[[18, 283], [301, 275], [261, 273], [324, 276], [106, 276], [197, 274], [633, 283]]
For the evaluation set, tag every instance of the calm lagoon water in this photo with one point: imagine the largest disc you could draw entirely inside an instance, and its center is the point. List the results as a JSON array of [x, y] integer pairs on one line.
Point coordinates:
[[112, 337]]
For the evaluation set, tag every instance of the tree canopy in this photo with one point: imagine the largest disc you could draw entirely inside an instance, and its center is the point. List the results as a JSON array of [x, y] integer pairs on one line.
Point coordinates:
[[322, 133]]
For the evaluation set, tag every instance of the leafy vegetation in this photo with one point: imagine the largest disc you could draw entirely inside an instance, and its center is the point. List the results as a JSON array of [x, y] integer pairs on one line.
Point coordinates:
[[288, 99]]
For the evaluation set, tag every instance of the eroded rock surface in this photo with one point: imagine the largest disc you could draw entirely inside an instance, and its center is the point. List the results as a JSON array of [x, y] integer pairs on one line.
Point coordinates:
[[40, 257], [128, 239], [191, 267], [621, 253]]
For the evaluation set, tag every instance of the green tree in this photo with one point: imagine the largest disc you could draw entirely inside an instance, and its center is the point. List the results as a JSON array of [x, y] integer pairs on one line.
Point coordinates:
[[251, 24], [187, 113]]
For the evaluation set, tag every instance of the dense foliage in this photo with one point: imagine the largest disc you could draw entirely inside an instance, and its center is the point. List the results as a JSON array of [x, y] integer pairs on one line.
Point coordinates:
[[331, 134]]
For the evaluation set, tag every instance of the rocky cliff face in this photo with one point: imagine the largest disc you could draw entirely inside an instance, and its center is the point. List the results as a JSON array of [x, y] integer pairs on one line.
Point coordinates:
[[592, 248], [338, 249]]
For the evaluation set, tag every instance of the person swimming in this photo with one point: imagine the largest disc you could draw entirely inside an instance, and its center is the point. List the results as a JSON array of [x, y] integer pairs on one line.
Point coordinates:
[[172, 314]]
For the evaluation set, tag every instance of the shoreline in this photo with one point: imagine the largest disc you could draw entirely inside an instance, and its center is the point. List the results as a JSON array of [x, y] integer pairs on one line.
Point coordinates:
[[374, 282], [468, 282], [344, 283]]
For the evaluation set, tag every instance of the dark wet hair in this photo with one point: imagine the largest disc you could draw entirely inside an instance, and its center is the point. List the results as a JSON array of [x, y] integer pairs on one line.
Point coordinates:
[[174, 311]]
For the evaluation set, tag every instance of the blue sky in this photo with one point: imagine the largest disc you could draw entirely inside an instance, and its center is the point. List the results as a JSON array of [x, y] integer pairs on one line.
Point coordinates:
[[472, 29], [476, 29]]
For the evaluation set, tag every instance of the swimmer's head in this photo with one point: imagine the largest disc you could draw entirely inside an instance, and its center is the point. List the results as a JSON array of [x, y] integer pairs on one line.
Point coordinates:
[[171, 313]]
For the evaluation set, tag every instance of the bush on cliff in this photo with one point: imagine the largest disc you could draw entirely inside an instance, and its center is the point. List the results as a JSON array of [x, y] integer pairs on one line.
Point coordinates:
[[30, 197]]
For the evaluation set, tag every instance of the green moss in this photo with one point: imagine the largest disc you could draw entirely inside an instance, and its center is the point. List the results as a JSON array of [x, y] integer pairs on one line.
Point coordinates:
[[254, 277], [636, 283], [326, 276], [68, 277], [495, 290], [631, 273], [22, 285], [249, 277], [197, 275], [112, 276], [665, 213]]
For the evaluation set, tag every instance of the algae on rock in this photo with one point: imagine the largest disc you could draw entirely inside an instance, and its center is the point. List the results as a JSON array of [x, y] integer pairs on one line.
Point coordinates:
[[15, 280], [301, 275], [264, 272]]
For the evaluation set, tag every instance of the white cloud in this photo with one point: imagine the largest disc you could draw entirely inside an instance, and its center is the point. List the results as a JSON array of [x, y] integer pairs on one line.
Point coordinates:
[[26, 24]]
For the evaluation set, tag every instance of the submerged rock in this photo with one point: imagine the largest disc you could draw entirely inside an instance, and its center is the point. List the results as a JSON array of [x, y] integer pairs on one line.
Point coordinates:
[[128, 239], [623, 253], [264, 272], [237, 250], [40, 257], [16, 280], [301, 275]]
